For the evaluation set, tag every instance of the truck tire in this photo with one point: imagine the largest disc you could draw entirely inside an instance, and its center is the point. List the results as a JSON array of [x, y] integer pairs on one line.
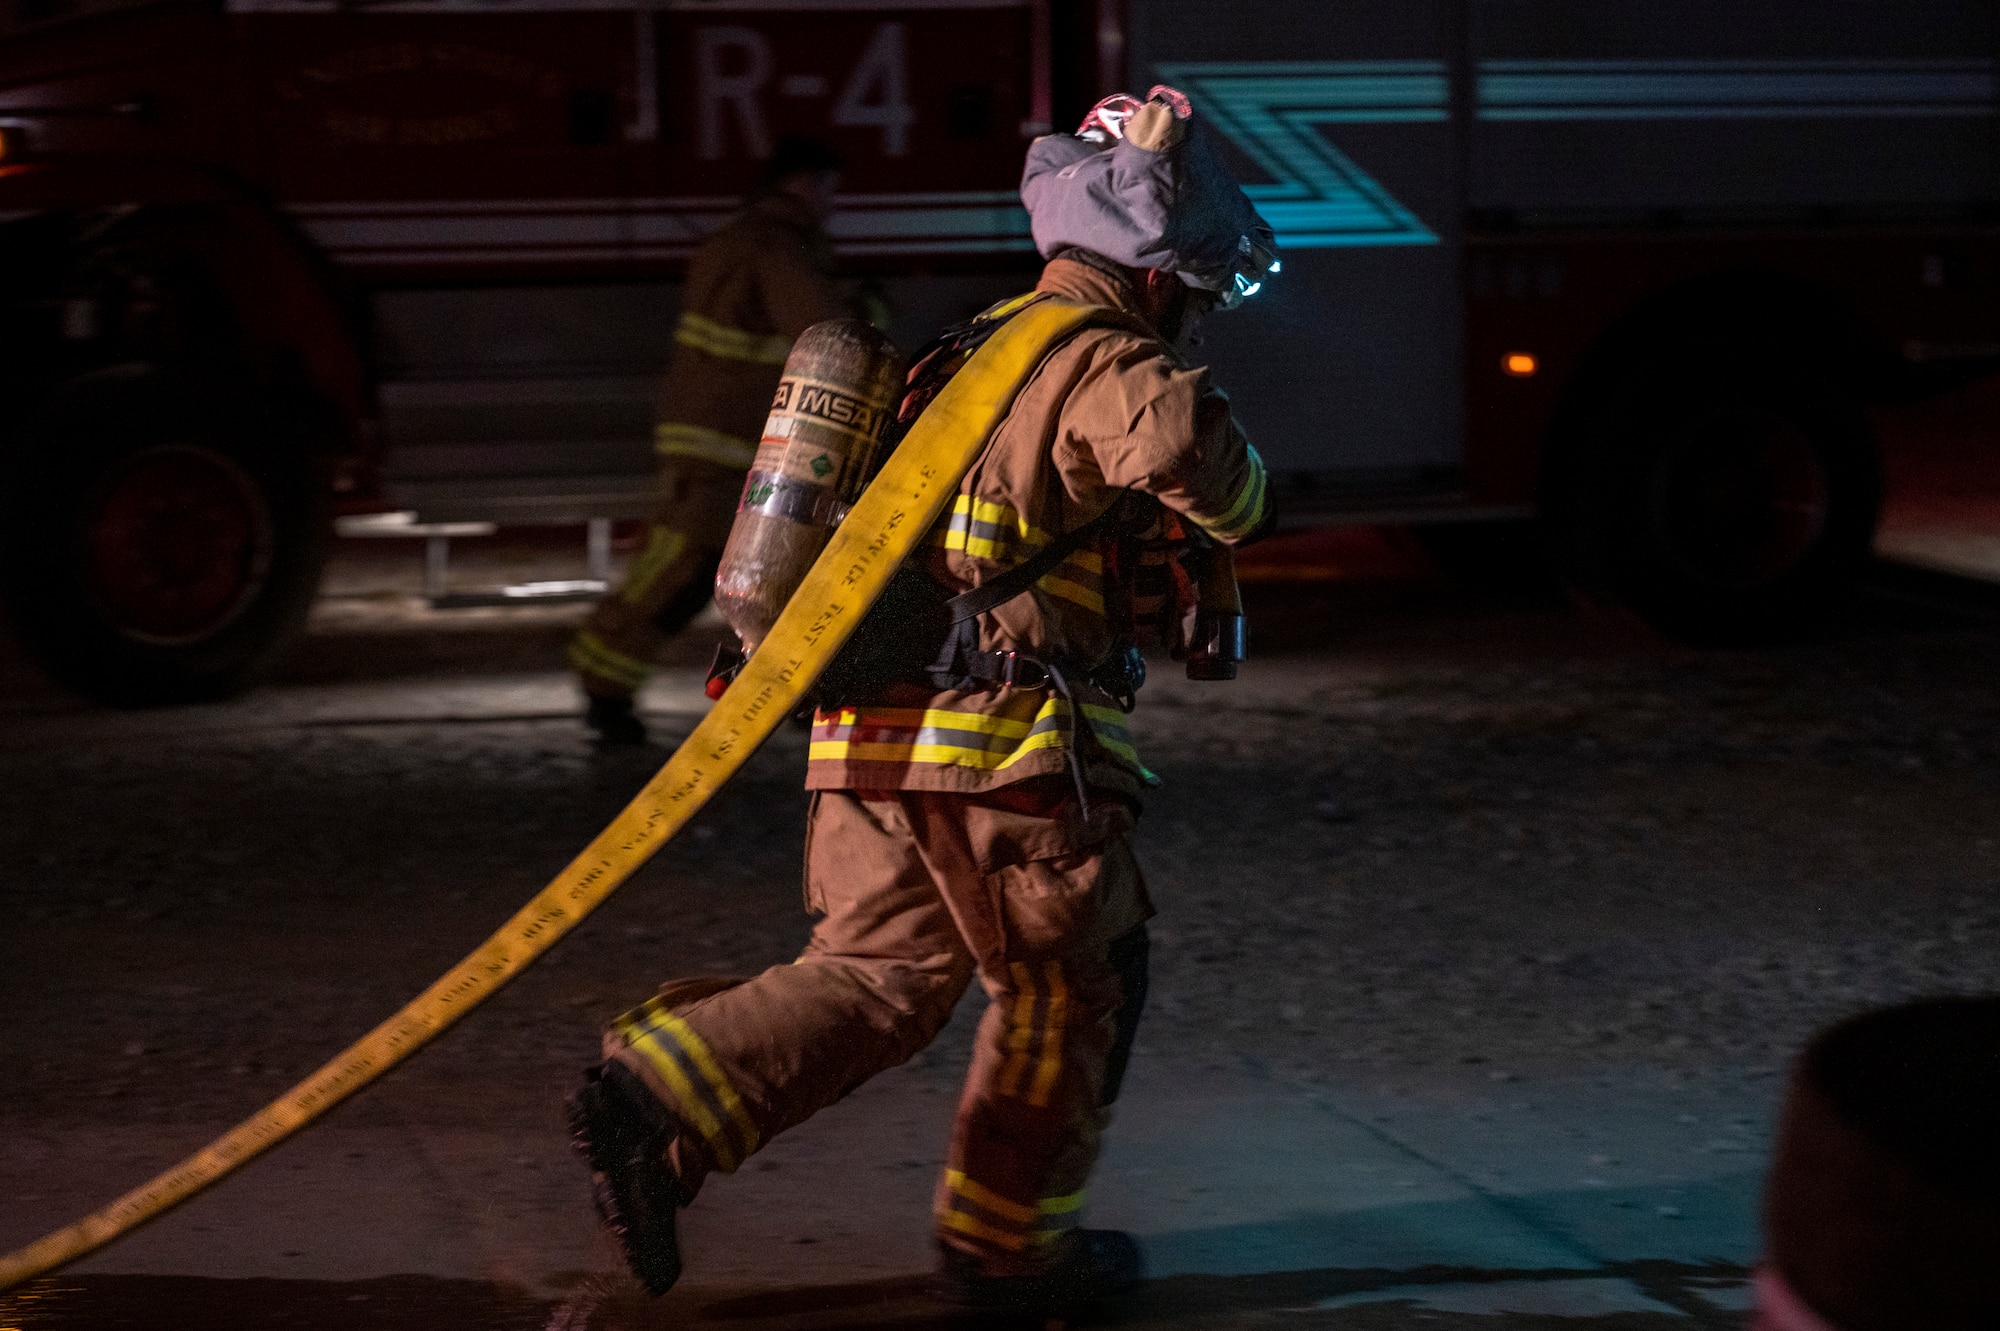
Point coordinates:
[[1729, 508], [163, 538]]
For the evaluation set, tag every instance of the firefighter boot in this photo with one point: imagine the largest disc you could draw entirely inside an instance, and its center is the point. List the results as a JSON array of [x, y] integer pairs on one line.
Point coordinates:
[[622, 1132], [1093, 1264], [616, 724]]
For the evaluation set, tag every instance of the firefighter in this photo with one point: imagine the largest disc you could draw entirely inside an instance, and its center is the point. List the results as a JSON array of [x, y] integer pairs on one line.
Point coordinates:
[[973, 817], [752, 288]]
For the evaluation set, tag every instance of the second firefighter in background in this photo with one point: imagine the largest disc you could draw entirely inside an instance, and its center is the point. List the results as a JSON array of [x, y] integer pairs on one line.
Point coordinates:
[[751, 289]]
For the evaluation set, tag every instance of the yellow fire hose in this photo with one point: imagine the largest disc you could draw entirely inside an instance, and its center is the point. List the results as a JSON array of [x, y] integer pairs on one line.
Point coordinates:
[[891, 516]]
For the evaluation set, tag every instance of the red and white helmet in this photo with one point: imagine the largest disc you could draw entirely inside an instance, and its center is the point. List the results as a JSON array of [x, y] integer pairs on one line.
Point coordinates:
[[1106, 121]]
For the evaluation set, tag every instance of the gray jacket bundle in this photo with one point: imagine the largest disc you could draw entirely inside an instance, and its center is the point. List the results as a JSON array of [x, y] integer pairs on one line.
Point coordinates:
[[1175, 209]]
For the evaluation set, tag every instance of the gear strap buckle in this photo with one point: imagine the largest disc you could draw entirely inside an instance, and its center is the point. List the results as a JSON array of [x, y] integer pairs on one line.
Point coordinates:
[[1020, 668]]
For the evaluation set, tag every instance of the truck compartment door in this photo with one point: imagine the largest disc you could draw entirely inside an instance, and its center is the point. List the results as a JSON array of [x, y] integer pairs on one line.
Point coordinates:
[[1340, 122]]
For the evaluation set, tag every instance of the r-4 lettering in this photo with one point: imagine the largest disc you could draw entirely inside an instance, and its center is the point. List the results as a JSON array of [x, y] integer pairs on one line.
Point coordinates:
[[877, 94]]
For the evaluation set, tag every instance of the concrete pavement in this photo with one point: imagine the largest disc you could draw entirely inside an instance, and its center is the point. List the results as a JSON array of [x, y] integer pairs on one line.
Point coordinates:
[[1456, 1193], [1471, 1000]]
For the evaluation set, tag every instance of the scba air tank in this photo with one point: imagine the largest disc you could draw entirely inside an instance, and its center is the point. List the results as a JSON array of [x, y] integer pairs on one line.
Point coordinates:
[[817, 453]]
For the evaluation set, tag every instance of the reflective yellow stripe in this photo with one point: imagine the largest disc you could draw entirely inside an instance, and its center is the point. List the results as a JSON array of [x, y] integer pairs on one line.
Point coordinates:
[[1005, 536], [1259, 506], [1108, 724], [705, 334], [1020, 1029], [913, 718], [663, 547], [590, 655], [925, 736], [1086, 597], [992, 1201], [979, 547], [675, 439], [949, 755], [954, 532], [1057, 1216], [687, 1099], [1248, 510], [1000, 515], [940, 718], [919, 720], [979, 1229], [698, 1050], [1052, 1037], [1012, 305], [1120, 748]]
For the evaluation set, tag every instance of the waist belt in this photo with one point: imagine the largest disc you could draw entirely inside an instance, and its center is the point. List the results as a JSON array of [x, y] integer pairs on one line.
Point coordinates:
[[1121, 676], [962, 664]]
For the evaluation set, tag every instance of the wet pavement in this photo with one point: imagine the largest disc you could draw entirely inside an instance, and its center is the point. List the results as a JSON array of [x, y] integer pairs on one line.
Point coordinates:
[[1634, 1298], [1487, 931]]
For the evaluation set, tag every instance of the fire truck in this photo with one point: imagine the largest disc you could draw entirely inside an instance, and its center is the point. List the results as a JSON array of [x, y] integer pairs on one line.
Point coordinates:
[[1659, 278]]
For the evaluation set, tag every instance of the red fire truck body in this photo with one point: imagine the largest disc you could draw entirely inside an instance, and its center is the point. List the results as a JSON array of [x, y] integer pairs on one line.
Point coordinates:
[[1660, 282]]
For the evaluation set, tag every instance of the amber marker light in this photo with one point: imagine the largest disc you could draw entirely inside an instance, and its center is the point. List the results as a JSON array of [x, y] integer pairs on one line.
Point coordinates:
[[1520, 364]]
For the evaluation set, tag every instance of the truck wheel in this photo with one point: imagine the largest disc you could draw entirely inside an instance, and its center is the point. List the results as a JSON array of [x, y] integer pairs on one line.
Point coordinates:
[[1733, 509], [163, 540]]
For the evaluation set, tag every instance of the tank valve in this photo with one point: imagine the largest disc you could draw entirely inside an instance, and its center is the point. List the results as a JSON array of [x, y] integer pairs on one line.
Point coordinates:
[[1221, 640]]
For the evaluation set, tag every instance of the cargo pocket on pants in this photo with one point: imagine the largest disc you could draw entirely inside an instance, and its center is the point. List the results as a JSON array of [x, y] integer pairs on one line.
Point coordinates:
[[1049, 906]]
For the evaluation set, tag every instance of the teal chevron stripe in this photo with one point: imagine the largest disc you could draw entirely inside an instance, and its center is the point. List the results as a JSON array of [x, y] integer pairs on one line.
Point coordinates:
[[1734, 89], [1318, 198]]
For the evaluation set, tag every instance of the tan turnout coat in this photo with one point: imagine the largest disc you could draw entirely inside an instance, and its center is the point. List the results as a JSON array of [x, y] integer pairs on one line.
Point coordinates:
[[1109, 410], [752, 288]]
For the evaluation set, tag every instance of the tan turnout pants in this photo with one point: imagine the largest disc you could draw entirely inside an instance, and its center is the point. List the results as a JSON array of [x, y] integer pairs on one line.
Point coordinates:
[[916, 891], [668, 583]]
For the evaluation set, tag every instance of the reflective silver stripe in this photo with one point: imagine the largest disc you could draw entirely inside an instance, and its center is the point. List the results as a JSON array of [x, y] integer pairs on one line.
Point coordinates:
[[674, 439], [784, 497], [719, 339]]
